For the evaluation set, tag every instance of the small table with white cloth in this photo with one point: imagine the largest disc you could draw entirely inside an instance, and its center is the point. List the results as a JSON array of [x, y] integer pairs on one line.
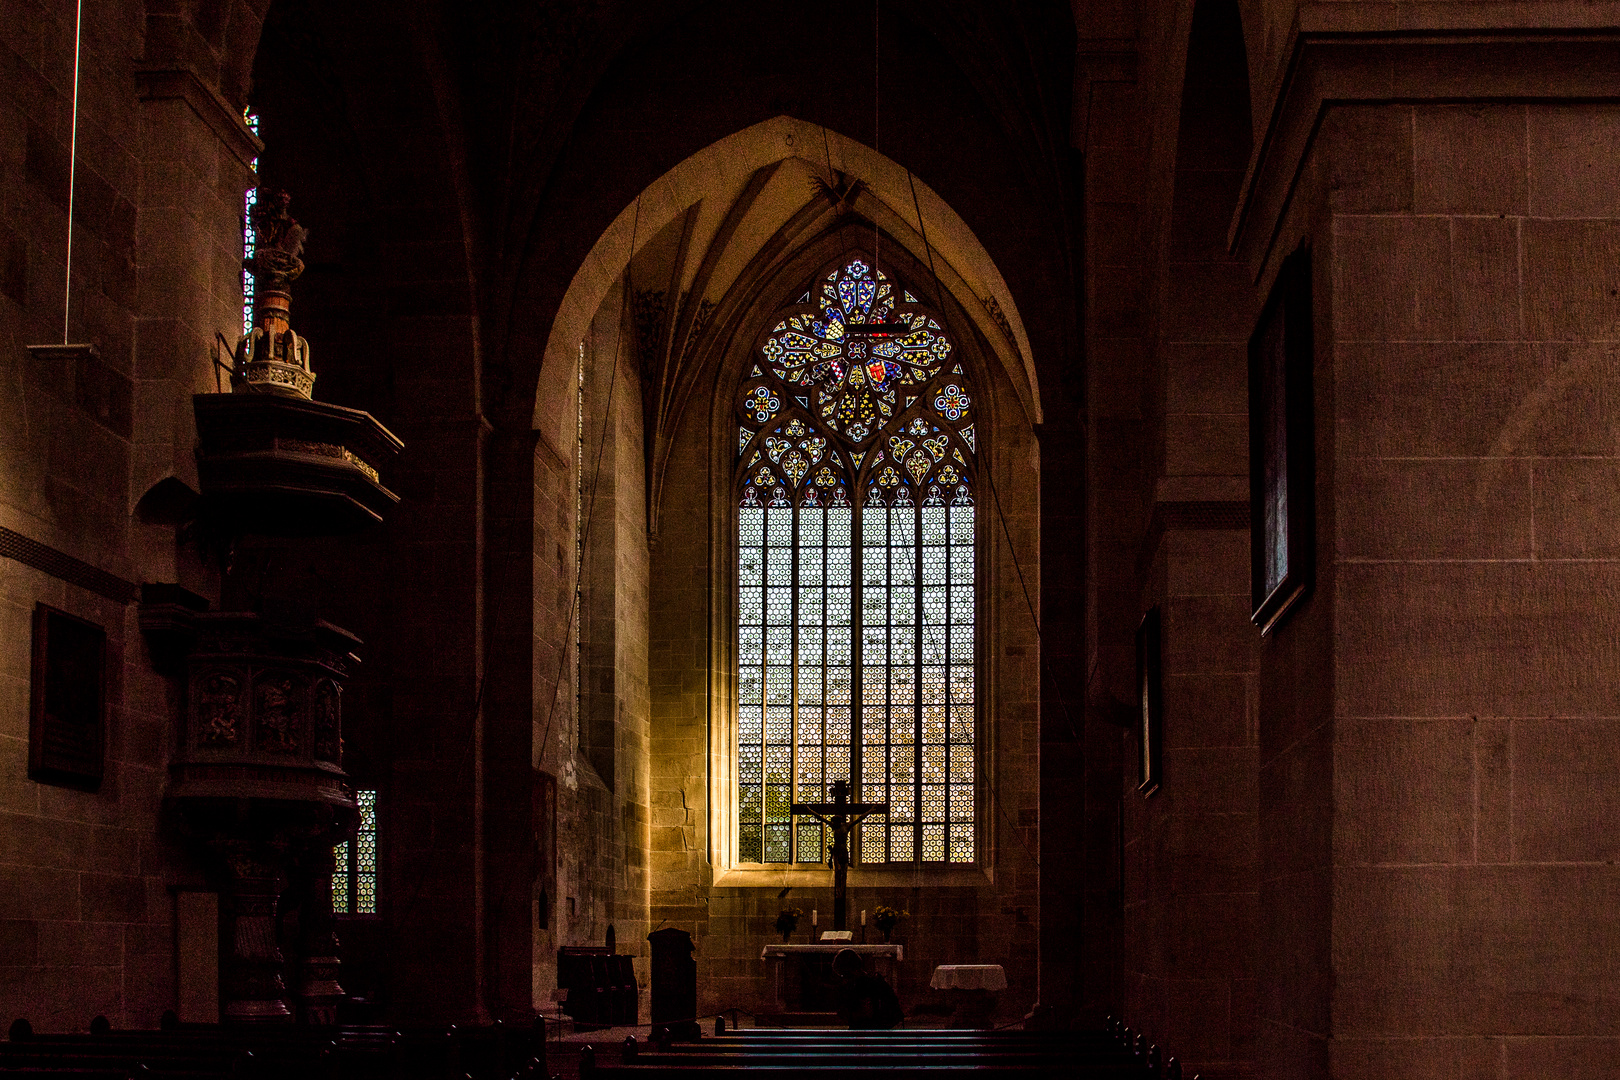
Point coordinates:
[[971, 988]]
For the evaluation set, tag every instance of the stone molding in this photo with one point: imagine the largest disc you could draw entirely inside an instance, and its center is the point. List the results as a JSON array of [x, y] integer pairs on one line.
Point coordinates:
[[1408, 53], [1188, 516], [553, 457], [184, 84], [1097, 60], [860, 877], [64, 567]]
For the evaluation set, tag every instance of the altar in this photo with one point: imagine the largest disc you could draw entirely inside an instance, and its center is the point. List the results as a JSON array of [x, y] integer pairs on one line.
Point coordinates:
[[803, 982]]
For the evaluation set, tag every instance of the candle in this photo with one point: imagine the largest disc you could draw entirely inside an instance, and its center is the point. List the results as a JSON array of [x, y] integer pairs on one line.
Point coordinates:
[[812, 916], [863, 916]]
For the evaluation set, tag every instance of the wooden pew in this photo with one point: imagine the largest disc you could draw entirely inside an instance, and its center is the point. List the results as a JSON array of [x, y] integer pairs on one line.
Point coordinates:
[[215, 1052], [895, 1055]]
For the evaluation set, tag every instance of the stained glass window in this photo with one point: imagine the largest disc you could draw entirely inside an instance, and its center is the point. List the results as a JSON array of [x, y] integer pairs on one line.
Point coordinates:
[[354, 874], [856, 577], [249, 234]]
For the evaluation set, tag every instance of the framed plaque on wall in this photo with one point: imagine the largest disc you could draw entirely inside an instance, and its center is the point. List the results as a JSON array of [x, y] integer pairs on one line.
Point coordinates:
[[1282, 458], [68, 702], [1150, 702]]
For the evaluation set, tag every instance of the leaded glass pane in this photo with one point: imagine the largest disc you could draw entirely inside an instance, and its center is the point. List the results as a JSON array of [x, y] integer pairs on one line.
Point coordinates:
[[961, 723], [340, 879], [838, 685], [810, 842], [962, 843], [872, 847], [365, 855], [354, 863], [778, 762], [776, 843]]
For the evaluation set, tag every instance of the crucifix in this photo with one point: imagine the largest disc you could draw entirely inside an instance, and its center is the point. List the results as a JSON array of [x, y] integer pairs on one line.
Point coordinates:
[[841, 816]]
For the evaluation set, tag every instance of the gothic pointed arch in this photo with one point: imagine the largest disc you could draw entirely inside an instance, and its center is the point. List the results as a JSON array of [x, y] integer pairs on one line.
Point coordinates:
[[857, 568]]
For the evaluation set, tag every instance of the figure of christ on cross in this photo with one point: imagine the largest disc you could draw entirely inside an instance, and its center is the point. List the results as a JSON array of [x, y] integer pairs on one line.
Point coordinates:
[[841, 816]]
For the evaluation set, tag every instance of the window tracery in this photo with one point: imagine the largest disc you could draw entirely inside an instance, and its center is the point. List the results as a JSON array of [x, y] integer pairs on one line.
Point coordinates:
[[856, 577]]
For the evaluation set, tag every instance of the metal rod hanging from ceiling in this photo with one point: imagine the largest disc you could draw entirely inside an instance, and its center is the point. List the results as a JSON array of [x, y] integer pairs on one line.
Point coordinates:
[[73, 163]]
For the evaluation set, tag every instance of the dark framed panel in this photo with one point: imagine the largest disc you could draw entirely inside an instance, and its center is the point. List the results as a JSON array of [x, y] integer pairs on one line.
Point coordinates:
[[68, 701], [1149, 703], [1282, 457]]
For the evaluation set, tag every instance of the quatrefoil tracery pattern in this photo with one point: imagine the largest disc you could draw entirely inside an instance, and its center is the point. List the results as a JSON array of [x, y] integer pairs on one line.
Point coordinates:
[[857, 577]]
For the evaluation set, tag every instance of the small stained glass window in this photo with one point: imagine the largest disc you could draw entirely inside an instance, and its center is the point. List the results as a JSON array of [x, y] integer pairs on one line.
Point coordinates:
[[354, 875], [856, 577]]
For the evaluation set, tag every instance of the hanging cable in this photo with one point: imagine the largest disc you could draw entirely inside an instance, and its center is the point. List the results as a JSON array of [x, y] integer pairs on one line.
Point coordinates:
[[596, 478], [877, 112], [73, 164], [478, 697], [995, 790], [939, 302]]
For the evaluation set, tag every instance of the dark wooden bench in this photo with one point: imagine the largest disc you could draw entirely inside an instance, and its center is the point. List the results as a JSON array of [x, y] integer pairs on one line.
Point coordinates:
[[214, 1052], [895, 1055]]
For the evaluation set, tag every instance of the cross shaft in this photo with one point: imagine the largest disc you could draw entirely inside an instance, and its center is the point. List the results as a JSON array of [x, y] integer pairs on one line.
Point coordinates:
[[840, 816]]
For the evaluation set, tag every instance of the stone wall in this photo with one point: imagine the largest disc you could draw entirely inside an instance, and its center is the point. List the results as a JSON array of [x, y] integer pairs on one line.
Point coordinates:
[[604, 808], [1170, 326], [87, 920], [1473, 286]]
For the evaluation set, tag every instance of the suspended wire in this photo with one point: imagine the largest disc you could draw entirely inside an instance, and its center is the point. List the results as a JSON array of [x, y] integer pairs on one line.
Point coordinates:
[[73, 164], [995, 789], [1023, 584], [877, 86], [478, 698], [596, 478]]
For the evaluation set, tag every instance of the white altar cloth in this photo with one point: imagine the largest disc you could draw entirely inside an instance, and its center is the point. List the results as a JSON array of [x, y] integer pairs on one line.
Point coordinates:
[[969, 977]]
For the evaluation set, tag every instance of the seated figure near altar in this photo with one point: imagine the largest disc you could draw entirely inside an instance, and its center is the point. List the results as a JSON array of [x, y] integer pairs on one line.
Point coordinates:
[[864, 999]]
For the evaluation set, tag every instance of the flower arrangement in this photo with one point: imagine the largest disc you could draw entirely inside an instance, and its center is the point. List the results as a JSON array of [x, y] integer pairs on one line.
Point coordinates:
[[886, 918], [788, 921]]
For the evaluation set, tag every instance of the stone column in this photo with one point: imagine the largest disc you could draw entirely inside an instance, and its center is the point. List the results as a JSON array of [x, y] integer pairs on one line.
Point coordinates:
[[1062, 612]]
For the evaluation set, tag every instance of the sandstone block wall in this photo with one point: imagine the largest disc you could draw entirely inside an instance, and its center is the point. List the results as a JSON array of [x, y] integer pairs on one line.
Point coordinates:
[[1474, 376], [88, 922]]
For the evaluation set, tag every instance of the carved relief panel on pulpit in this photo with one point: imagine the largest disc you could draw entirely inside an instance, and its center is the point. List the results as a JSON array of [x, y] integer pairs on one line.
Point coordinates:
[[264, 709]]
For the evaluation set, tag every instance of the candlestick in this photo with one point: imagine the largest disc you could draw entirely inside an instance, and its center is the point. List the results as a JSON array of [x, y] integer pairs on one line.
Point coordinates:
[[812, 916], [863, 916]]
